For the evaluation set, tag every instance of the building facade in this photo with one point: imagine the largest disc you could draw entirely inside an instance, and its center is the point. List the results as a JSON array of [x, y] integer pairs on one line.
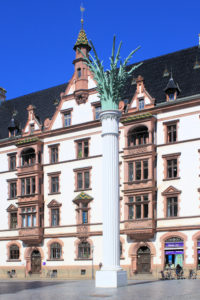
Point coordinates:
[[51, 172]]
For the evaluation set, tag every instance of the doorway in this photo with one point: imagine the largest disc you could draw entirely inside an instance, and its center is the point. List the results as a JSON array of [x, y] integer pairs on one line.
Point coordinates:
[[35, 261], [143, 260]]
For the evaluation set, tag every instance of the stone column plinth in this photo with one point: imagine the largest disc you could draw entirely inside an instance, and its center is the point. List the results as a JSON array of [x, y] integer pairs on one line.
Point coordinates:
[[111, 274]]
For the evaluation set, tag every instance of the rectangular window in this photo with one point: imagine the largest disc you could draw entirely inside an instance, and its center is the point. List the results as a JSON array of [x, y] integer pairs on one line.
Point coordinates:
[[54, 184], [28, 216], [86, 180], [138, 205], [12, 165], [84, 217], [28, 186], [130, 212], [130, 171], [54, 216], [13, 220], [97, 112], [145, 169], [171, 133], [13, 190], [138, 211], [82, 149], [138, 170], [172, 207], [83, 180], [67, 119], [79, 181], [54, 154], [23, 187], [172, 168], [141, 104]]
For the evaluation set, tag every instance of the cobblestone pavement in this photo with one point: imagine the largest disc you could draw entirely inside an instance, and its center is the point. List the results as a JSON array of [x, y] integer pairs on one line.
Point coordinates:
[[85, 290]]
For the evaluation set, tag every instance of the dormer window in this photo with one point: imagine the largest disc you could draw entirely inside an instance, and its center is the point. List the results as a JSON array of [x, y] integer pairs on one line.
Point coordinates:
[[171, 97], [141, 104], [32, 128], [172, 90]]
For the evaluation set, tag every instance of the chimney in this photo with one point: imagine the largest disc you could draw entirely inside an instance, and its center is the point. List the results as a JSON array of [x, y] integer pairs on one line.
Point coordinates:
[[2, 95]]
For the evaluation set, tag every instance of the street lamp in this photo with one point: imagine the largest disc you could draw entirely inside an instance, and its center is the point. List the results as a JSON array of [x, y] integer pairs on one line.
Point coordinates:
[[92, 249]]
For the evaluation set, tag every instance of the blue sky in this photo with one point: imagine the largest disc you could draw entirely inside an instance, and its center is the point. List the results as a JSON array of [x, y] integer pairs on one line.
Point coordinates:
[[37, 36]]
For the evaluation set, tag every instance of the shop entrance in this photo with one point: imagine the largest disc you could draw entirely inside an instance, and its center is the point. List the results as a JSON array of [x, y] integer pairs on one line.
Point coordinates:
[[143, 260], [35, 261]]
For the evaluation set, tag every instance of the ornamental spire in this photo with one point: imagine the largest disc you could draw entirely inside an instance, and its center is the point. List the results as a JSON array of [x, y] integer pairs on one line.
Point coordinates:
[[82, 37]]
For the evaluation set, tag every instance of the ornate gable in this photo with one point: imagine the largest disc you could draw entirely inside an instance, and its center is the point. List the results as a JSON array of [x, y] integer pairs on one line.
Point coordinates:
[[12, 208], [32, 125], [141, 99], [54, 203], [171, 190]]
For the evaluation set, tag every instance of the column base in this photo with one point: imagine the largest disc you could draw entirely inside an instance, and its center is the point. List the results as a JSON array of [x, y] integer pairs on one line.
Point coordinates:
[[111, 279]]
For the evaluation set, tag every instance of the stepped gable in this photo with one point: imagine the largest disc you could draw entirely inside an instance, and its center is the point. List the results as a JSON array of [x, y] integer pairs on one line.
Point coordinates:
[[43, 101]]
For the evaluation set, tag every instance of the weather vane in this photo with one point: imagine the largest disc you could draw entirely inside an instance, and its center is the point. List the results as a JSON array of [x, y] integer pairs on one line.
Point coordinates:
[[82, 9]]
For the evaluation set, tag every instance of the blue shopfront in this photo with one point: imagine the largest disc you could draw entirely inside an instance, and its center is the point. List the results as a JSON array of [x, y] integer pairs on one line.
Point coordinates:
[[174, 252]]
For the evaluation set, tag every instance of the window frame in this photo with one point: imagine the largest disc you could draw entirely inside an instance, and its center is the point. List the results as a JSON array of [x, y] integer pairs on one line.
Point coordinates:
[[12, 189], [174, 168], [134, 204], [10, 253], [51, 176], [28, 214], [10, 157], [81, 154], [67, 112], [52, 251], [54, 157], [11, 220], [28, 186], [82, 172], [137, 169], [167, 131], [82, 254], [172, 207], [141, 104], [96, 105]]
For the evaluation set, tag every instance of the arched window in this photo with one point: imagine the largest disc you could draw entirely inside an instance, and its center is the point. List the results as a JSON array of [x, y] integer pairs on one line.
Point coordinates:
[[28, 157], [138, 136], [14, 252], [84, 250], [55, 251], [79, 72]]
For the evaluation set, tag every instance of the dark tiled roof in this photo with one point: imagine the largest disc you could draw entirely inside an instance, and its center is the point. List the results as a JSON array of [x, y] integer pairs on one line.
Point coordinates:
[[42, 100], [181, 63]]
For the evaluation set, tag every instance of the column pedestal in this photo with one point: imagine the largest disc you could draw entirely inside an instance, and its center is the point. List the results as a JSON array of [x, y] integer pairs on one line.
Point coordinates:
[[111, 274]]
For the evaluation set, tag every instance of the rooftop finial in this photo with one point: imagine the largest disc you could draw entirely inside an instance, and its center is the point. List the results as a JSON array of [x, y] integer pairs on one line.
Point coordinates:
[[82, 9]]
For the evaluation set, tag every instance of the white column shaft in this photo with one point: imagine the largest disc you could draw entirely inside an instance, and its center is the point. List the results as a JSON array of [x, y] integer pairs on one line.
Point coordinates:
[[111, 241]]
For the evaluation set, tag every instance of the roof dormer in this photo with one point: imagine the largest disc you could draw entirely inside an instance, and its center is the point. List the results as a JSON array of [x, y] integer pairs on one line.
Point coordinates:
[[141, 99]]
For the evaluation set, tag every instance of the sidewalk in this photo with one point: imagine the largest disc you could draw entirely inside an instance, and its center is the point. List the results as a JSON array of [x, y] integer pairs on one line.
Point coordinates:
[[85, 290]]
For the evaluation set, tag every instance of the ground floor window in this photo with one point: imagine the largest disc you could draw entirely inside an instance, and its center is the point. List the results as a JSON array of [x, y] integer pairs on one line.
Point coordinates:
[[55, 251], [14, 252], [174, 252], [84, 250]]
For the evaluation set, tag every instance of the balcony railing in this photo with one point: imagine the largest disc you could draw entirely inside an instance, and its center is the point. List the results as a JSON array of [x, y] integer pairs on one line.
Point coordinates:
[[140, 228], [31, 235], [139, 149], [30, 168]]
